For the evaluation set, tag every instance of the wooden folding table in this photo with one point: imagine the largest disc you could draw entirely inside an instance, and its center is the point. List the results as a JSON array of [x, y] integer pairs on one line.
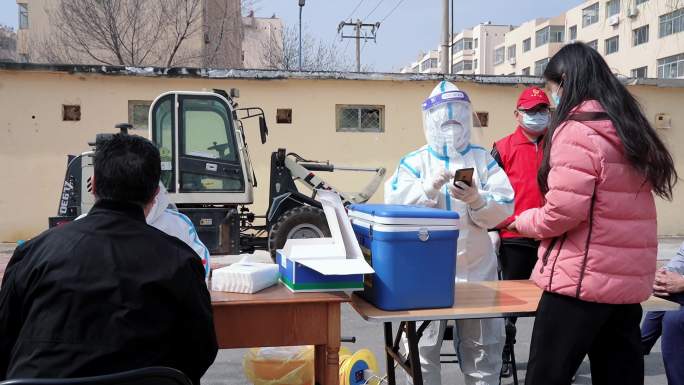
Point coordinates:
[[474, 300]]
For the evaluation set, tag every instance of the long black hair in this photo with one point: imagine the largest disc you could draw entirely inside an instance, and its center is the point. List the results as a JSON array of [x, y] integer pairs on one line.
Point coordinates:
[[584, 75]]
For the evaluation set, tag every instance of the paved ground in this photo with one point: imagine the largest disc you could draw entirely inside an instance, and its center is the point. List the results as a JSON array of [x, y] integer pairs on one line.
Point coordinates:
[[227, 369]]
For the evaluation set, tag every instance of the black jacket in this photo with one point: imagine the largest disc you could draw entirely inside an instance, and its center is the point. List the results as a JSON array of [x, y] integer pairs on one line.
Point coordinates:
[[104, 294]]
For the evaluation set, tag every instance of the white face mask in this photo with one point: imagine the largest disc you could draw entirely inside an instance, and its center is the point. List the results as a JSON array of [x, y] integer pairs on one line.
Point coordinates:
[[535, 123]]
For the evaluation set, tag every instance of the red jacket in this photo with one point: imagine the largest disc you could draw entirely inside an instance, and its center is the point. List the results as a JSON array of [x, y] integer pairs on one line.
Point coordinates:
[[520, 159]]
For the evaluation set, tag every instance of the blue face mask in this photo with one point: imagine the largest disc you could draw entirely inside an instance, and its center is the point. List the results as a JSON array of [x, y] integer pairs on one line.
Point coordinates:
[[535, 123], [556, 98]]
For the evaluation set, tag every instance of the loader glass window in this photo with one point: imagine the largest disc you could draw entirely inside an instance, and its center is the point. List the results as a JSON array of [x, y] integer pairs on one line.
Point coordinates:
[[206, 132], [163, 138], [209, 159]]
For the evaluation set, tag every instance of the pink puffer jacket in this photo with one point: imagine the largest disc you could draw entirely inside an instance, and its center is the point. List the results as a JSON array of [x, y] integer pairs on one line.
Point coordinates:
[[598, 224]]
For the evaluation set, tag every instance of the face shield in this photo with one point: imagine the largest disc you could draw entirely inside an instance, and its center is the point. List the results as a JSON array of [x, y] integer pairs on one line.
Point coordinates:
[[448, 120]]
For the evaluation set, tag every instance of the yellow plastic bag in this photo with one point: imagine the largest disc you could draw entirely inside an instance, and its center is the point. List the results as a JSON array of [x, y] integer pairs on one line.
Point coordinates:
[[280, 366]]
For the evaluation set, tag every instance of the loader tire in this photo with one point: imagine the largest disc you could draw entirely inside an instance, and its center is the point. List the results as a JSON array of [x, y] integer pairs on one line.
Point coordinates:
[[297, 223]]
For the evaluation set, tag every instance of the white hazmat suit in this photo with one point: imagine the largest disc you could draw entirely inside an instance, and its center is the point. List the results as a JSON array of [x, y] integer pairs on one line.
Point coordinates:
[[424, 177], [178, 225]]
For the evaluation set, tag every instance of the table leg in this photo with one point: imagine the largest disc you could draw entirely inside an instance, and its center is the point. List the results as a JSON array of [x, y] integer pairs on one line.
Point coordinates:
[[320, 359], [390, 360], [414, 356], [332, 349]]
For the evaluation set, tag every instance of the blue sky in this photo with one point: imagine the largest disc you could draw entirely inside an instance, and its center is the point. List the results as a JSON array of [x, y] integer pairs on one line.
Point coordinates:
[[413, 26]]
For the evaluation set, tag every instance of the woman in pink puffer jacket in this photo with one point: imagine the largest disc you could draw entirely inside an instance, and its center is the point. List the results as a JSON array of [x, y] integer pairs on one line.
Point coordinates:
[[598, 225]]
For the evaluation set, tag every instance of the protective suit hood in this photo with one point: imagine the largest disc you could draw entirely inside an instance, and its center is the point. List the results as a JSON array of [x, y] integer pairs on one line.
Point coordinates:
[[447, 119], [161, 203]]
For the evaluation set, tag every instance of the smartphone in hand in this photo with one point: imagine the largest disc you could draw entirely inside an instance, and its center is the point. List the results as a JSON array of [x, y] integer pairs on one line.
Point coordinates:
[[464, 175]]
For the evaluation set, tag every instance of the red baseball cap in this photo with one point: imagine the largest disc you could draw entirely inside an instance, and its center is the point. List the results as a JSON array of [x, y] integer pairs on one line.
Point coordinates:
[[532, 97]]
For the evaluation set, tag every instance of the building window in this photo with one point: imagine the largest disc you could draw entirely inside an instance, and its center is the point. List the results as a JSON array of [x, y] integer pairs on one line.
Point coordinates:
[[357, 118], [138, 111], [284, 115], [527, 44], [540, 66], [511, 52], [482, 119], [612, 45], [542, 37], [428, 64], [464, 65], [499, 55], [573, 33], [593, 44], [590, 15], [23, 15], [612, 8], [640, 35], [526, 71], [463, 44], [639, 2], [671, 67], [475, 62], [672, 23], [71, 113], [476, 43], [640, 73], [557, 33]]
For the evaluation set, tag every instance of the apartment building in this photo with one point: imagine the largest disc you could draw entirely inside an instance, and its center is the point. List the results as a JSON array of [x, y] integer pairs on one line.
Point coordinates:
[[471, 52], [638, 38], [426, 63], [472, 48], [526, 50]]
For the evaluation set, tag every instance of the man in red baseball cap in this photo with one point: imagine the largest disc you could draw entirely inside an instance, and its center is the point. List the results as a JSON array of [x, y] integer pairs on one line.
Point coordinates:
[[520, 155]]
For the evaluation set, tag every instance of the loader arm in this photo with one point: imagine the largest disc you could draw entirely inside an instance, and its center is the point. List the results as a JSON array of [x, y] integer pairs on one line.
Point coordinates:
[[304, 171]]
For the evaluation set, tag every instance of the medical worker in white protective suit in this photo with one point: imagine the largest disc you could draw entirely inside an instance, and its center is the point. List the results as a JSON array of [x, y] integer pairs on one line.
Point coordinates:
[[425, 177], [164, 216]]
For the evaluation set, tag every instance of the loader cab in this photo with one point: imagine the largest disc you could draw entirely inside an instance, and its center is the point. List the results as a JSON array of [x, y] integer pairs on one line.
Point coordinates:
[[204, 158]]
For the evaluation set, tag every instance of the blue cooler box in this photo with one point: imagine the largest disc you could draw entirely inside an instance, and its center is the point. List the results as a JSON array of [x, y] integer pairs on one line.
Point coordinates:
[[413, 252]]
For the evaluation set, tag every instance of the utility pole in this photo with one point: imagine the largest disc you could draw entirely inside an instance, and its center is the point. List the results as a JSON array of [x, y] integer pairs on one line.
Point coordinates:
[[444, 55], [451, 41], [301, 6], [363, 31]]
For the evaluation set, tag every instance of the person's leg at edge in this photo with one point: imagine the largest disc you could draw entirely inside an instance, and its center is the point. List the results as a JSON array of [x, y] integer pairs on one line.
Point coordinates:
[[517, 262], [616, 356], [651, 329], [479, 344], [429, 348], [564, 330], [671, 344]]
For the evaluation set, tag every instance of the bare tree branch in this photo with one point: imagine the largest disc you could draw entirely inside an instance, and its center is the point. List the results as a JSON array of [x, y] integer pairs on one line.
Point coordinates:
[[123, 32], [282, 52]]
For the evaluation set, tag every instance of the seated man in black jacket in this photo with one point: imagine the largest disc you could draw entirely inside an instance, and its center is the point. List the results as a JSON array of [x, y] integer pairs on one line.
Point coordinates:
[[107, 293]]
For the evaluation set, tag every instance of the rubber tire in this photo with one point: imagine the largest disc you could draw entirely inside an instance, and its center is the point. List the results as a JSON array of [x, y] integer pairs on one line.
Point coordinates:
[[292, 218]]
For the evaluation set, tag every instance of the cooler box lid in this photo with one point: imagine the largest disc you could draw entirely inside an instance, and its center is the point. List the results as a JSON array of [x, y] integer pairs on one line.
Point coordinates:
[[403, 215]]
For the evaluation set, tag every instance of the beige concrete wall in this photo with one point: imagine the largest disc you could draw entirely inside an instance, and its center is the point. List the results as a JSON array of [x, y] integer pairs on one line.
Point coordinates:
[[34, 140]]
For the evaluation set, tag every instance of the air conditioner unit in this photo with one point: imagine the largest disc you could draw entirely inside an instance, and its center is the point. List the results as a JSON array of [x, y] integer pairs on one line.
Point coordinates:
[[511, 61], [633, 12], [613, 20]]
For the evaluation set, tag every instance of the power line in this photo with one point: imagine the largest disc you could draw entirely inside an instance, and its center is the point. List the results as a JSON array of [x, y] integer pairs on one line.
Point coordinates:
[[355, 8], [392, 11], [376, 7]]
